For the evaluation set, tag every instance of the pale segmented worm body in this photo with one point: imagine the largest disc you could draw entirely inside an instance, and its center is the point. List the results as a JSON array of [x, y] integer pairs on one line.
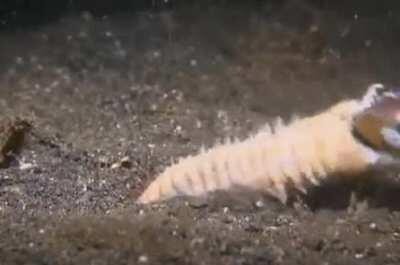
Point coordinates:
[[305, 151]]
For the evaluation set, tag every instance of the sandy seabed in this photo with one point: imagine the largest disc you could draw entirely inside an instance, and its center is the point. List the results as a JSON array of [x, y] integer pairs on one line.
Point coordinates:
[[114, 99]]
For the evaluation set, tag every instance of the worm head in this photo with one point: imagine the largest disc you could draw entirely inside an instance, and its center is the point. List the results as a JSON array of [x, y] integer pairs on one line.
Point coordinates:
[[378, 126]]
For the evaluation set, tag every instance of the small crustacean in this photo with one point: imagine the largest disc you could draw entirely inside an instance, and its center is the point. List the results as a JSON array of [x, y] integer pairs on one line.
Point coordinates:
[[347, 139], [11, 135]]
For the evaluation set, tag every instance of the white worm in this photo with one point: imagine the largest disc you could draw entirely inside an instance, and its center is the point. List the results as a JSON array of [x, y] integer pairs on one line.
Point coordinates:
[[305, 151]]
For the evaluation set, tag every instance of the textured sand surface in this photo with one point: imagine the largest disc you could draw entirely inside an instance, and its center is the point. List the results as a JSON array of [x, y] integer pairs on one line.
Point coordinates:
[[113, 99]]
